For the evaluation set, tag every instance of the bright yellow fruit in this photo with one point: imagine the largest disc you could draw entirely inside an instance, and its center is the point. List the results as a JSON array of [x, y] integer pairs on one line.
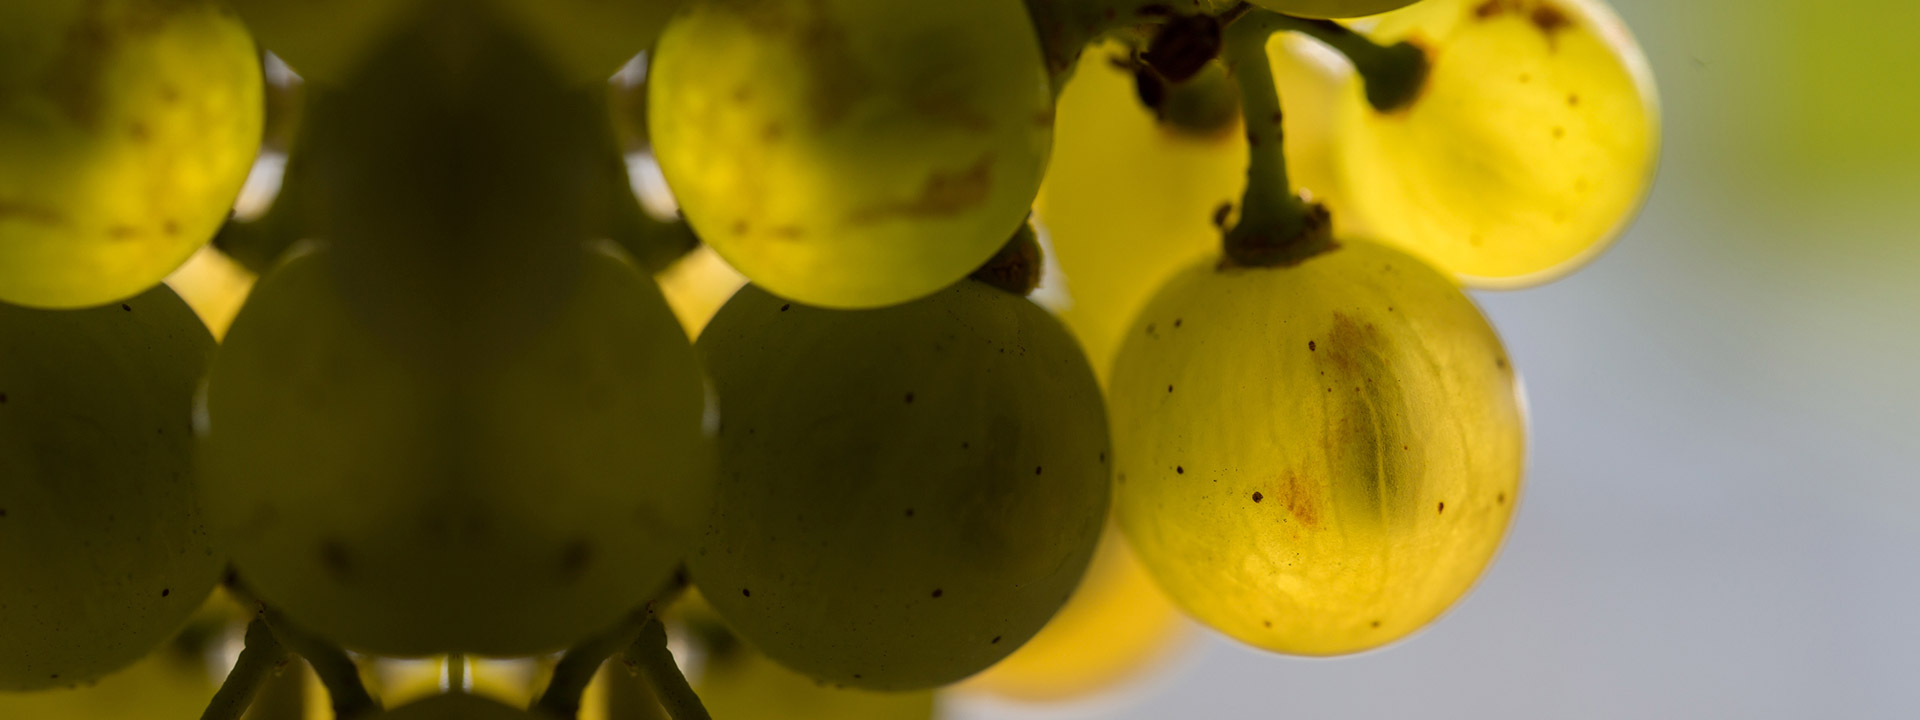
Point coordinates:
[[126, 130], [1117, 625], [1529, 149], [852, 153], [1316, 459]]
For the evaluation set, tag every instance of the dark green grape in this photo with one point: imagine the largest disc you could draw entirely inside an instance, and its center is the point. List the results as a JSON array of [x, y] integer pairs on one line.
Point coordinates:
[[906, 494], [102, 545]]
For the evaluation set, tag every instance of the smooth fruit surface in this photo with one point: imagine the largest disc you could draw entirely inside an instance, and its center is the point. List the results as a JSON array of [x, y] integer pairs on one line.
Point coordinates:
[[503, 496], [1332, 8], [126, 130], [944, 461], [851, 153], [1316, 459], [458, 706], [1528, 151], [102, 543]]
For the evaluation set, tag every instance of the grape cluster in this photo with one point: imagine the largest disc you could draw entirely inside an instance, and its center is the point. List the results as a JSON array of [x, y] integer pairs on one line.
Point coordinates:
[[920, 297]]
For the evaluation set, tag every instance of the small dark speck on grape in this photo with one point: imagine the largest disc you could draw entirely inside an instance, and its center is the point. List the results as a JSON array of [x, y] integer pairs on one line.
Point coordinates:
[[1573, 101], [1500, 363], [3, 512], [1036, 469], [1177, 322], [909, 398], [909, 512], [1443, 508], [1103, 457], [1169, 388], [1268, 623], [1376, 623], [1257, 497], [3, 398], [783, 308], [994, 641], [1312, 347], [1559, 132], [745, 592], [1502, 499], [126, 307], [937, 592], [1181, 469], [964, 446]]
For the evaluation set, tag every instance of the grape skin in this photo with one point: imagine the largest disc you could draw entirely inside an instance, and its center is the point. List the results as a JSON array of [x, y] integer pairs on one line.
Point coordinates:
[[457, 706], [1332, 8], [906, 494], [1316, 459], [1529, 150], [737, 682], [126, 130], [505, 495], [101, 542], [852, 153]]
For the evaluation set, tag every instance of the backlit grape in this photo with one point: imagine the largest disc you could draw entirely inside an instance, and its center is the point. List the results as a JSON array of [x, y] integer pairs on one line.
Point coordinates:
[[126, 130], [1319, 458], [1332, 8]]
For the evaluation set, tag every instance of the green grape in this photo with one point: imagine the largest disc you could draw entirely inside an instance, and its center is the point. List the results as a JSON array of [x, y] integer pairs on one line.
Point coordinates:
[[176, 680], [1320, 458], [1528, 150], [1117, 625], [126, 130], [1332, 8], [738, 683], [906, 494], [324, 40], [496, 493], [591, 39], [852, 153], [102, 545], [458, 706]]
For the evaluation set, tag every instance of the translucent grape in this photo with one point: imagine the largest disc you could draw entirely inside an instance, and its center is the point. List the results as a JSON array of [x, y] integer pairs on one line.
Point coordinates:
[[504, 494], [1316, 459], [1332, 8], [102, 544], [1528, 151], [906, 494], [852, 153], [1117, 625], [126, 130], [457, 706]]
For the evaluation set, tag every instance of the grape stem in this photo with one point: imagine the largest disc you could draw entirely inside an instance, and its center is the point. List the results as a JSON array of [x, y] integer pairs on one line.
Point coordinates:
[[630, 698], [1066, 27], [1393, 74], [336, 670], [262, 655], [650, 654], [1277, 226], [578, 665]]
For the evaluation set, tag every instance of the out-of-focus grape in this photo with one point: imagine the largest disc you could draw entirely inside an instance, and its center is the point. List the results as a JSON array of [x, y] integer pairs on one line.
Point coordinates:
[[1332, 8], [1318, 458], [126, 130]]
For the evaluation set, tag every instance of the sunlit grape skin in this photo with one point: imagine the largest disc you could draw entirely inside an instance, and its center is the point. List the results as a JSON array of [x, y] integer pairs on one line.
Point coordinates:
[[1529, 149], [1316, 459], [502, 498], [102, 545], [851, 153], [944, 461], [126, 130], [1332, 8]]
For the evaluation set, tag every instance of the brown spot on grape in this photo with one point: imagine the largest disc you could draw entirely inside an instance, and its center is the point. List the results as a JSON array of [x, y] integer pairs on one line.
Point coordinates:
[[909, 512], [165, 592], [335, 559], [1257, 497], [1550, 19], [745, 592], [171, 228], [1312, 346], [3, 512], [126, 307], [937, 592], [909, 398], [1559, 132], [574, 559], [1500, 362], [785, 307], [1501, 498], [3, 398], [740, 227], [944, 194], [1177, 322], [1443, 508], [994, 641], [1036, 469], [1180, 469], [139, 132], [1103, 456], [1376, 623], [1220, 215], [1489, 9], [1169, 388], [1300, 499], [1573, 100]]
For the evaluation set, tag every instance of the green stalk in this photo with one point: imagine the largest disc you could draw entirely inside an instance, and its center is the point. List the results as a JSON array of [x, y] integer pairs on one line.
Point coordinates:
[[262, 655], [1276, 226]]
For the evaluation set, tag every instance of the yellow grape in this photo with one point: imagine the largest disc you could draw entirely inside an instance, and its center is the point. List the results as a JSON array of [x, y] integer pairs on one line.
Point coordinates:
[[458, 706], [1117, 625], [1332, 8], [1127, 202], [852, 153], [126, 130], [412, 499], [1316, 459], [697, 286], [214, 286], [1528, 150]]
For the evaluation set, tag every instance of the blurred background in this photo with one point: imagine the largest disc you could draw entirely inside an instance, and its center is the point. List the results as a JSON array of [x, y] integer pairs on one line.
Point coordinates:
[[1723, 513]]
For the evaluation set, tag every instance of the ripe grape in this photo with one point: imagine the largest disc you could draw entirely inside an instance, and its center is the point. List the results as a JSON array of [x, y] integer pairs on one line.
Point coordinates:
[[324, 41], [1332, 8], [457, 706], [852, 153], [496, 488], [590, 39], [173, 681], [101, 541], [1319, 458], [1116, 625], [906, 494], [1528, 150], [126, 130], [738, 683]]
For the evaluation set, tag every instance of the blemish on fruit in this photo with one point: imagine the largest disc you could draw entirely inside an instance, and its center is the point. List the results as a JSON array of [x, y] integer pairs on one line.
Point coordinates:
[[1180, 469], [1257, 497], [165, 592], [909, 398], [335, 559], [126, 307], [745, 592], [1312, 346], [1443, 508], [937, 592]]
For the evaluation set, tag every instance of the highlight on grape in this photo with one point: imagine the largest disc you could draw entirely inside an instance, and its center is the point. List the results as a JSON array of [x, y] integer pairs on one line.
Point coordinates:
[[763, 358]]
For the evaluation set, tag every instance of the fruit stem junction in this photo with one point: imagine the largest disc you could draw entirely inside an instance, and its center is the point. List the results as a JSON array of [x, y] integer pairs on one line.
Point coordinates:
[[336, 670], [1066, 27], [1277, 226], [1393, 74], [1017, 267], [649, 654], [578, 665], [262, 656]]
